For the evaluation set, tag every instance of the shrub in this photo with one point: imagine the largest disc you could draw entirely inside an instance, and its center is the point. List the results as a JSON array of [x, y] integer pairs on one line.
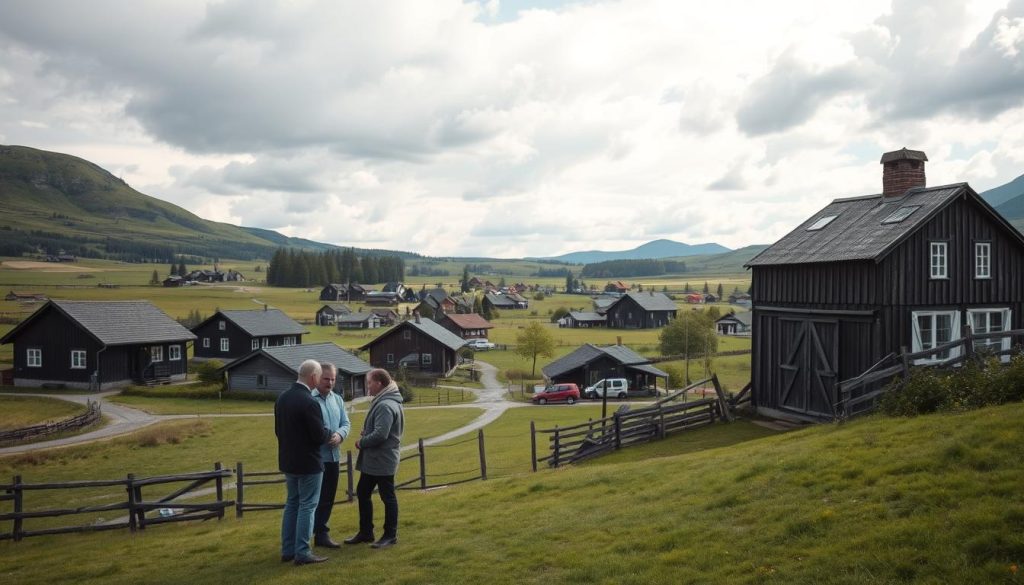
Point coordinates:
[[209, 372], [558, 314], [975, 385], [407, 393]]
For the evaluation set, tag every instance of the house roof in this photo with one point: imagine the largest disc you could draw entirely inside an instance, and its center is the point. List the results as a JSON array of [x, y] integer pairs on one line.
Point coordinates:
[[259, 322], [587, 353], [356, 317], [429, 328], [292, 356], [651, 301], [470, 321], [500, 300], [746, 318], [587, 316], [863, 228], [604, 302], [115, 322], [337, 308]]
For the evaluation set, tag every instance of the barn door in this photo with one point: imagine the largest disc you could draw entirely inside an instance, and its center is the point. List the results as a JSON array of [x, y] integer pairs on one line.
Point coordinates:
[[810, 349]]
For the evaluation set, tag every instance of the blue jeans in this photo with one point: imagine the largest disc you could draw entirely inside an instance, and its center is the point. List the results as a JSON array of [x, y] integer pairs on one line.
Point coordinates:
[[297, 522]]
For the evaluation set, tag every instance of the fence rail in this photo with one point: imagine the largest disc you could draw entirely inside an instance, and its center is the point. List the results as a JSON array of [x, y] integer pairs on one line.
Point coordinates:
[[860, 394], [91, 415], [629, 427]]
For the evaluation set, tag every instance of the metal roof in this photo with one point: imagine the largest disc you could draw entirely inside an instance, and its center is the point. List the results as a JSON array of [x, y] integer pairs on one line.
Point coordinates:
[[857, 233], [260, 322], [116, 322], [292, 356]]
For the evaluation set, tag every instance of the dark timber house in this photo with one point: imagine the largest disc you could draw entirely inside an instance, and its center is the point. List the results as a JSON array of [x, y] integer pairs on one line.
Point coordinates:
[[471, 326], [909, 268], [590, 363], [329, 313], [229, 335], [274, 369], [641, 310], [419, 344], [98, 345]]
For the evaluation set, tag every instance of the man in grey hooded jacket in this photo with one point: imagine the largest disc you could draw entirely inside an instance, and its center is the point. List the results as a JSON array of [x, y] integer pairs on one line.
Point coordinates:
[[379, 453]]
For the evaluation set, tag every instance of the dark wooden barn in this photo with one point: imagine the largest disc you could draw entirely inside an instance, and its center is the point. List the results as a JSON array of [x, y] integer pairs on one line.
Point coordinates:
[[274, 369], [419, 344], [98, 345], [229, 335], [329, 313], [343, 292], [641, 310], [590, 363], [866, 276], [471, 326], [584, 320]]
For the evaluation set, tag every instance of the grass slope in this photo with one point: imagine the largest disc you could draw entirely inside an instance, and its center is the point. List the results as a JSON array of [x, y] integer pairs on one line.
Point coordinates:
[[935, 499]]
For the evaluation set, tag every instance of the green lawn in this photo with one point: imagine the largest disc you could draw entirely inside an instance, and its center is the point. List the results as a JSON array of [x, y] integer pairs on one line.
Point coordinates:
[[26, 411]]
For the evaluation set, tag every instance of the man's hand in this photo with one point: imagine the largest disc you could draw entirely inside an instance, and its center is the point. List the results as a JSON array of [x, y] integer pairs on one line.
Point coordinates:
[[357, 444], [335, 440]]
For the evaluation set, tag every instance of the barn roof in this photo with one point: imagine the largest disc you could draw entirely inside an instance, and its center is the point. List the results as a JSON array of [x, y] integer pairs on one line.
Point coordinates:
[[585, 316], [356, 317], [867, 228], [587, 353], [260, 322], [292, 356], [470, 321], [500, 300], [115, 322], [429, 328], [336, 308], [651, 301]]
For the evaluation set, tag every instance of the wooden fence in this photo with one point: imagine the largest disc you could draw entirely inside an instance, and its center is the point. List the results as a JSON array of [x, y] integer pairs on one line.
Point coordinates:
[[629, 427], [242, 479], [91, 415], [422, 482], [135, 505], [859, 395]]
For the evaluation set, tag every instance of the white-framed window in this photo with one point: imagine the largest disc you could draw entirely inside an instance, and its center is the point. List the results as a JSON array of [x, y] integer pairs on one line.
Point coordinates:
[[990, 321], [78, 359], [266, 342], [982, 260], [34, 357], [289, 340], [174, 353], [225, 344], [932, 329], [427, 358], [221, 325], [939, 259], [156, 353], [391, 358], [255, 343], [261, 380], [206, 342]]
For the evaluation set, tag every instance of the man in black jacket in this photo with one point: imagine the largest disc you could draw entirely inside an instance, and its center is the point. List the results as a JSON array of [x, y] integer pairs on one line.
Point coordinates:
[[300, 431]]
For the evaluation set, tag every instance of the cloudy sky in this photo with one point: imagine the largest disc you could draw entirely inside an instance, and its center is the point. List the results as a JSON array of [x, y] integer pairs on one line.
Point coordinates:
[[511, 128]]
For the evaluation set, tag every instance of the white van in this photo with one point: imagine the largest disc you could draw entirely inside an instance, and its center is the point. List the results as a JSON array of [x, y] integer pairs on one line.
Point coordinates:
[[610, 387]]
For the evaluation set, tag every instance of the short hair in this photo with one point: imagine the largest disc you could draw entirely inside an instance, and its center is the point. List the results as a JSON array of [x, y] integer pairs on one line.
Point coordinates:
[[324, 366], [308, 368], [379, 374]]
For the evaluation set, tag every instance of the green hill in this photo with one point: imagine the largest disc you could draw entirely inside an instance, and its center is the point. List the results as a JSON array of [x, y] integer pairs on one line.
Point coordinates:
[[56, 201]]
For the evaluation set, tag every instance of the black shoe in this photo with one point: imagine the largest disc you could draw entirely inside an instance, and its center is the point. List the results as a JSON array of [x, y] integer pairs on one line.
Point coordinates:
[[359, 538], [325, 541], [309, 560], [385, 541], [287, 558]]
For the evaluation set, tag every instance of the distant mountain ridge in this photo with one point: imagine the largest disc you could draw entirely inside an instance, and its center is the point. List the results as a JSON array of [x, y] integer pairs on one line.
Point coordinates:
[[1008, 200], [653, 250]]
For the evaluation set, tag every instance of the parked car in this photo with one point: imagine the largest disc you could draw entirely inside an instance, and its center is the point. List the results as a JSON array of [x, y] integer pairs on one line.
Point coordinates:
[[610, 387], [479, 344], [557, 392]]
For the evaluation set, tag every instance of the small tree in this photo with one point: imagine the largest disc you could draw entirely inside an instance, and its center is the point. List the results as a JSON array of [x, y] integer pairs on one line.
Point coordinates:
[[173, 270], [181, 270], [465, 278], [558, 314], [155, 279], [706, 289], [720, 290], [691, 334], [534, 340]]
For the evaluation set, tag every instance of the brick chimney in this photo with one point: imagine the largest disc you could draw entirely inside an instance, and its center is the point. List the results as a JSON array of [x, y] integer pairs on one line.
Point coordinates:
[[901, 170]]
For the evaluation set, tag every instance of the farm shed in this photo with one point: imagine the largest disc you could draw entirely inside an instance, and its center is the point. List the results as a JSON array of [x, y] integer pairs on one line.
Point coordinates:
[[274, 369], [868, 276], [329, 313], [589, 363]]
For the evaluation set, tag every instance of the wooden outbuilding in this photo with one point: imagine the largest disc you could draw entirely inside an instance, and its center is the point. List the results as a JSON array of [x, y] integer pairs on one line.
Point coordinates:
[[909, 268], [589, 363], [418, 344], [358, 321], [641, 310], [274, 369], [585, 320], [734, 324], [471, 326], [329, 313]]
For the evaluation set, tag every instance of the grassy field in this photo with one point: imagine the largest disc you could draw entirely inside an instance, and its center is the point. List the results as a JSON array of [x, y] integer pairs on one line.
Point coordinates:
[[25, 411], [935, 499]]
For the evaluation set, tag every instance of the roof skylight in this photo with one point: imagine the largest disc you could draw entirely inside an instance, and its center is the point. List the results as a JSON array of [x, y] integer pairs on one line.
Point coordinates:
[[822, 222], [901, 214]]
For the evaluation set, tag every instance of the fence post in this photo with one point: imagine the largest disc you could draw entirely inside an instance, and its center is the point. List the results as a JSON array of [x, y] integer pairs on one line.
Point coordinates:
[[140, 510], [618, 430], [220, 489], [661, 422], [130, 483], [18, 508], [906, 362], [239, 488], [483, 456], [723, 404], [557, 448], [348, 465], [423, 466], [533, 444], [968, 336]]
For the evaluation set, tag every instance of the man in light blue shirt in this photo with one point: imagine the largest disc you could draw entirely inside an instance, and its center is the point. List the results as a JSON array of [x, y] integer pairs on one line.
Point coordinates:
[[336, 421]]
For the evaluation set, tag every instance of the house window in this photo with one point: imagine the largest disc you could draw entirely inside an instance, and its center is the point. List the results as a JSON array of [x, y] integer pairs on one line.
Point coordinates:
[[261, 380], [939, 260], [156, 353], [407, 334], [427, 358], [983, 260], [990, 321], [932, 329], [221, 325], [821, 223], [391, 358], [266, 342], [206, 342], [255, 343], [174, 353], [225, 344], [78, 359], [34, 358]]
